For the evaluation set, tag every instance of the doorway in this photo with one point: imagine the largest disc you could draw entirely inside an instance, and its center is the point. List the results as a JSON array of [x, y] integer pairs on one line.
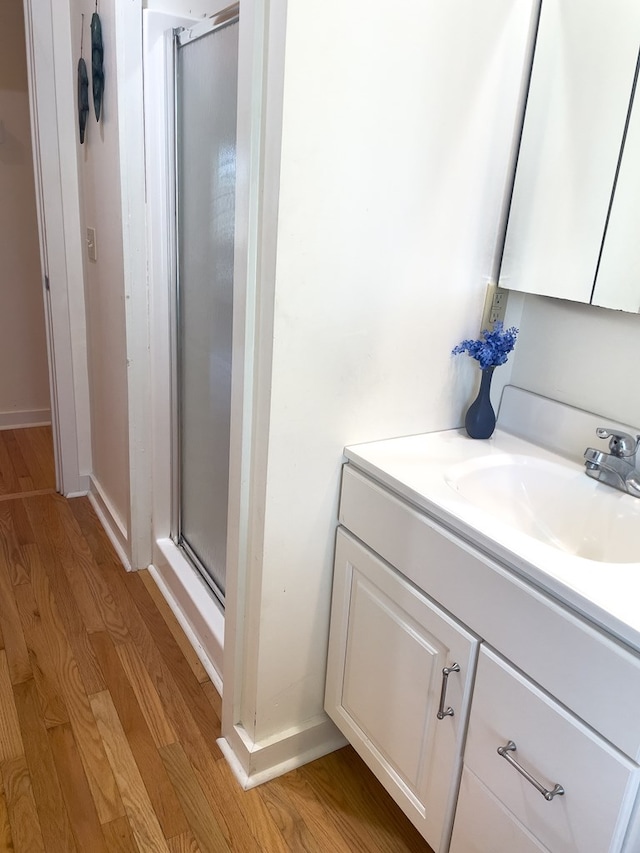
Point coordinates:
[[206, 74], [26, 442], [60, 248]]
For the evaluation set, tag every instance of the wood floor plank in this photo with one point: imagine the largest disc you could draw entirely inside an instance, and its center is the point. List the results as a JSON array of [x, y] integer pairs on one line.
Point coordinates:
[[79, 566], [291, 795], [119, 837], [97, 767], [9, 484], [13, 638], [80, 805], [274, 828], [30, 557], [163, 797], [21, 806], [277, 835], [172, 655], [293, 829], [29, 494], [174, 626], [14, 530], [60, 539], [94, 535], [178, 706], [80, 521], [200, 752], [15, 455], [181, 693], [201, 819], [51, 703], [42, 443], [160, 726], [221, 790], [20, 523], [10, 736], [144, 823], [380, 824], [38, 475], [198, 749], [42, 511], [6, 839], [213, 697], [54, 822], [185, 843]]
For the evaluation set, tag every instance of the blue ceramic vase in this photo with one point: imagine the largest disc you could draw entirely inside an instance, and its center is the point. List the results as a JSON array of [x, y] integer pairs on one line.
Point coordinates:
[[480, 421]]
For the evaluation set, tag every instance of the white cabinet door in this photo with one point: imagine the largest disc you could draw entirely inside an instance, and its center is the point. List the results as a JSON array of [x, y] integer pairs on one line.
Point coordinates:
[[618, 281], [388, 648], [583, 69]]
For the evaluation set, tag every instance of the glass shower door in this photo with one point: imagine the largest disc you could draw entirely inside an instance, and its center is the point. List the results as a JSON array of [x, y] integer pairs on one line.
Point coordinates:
[[205, 87]]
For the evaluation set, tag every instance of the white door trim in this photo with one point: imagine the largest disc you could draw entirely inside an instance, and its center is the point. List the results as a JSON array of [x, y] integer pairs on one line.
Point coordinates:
[[49, 63], [129, 82]]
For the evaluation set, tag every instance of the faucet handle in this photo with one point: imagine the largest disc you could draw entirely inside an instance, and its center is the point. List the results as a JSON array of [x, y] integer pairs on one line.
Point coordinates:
[[620, 443]]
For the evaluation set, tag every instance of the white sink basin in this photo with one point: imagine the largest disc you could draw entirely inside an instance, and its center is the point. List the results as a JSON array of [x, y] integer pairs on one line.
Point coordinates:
[[529, 508], [553, 502]]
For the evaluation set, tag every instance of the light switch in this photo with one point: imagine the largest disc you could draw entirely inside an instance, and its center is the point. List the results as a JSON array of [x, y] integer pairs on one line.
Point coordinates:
[[92, 250]]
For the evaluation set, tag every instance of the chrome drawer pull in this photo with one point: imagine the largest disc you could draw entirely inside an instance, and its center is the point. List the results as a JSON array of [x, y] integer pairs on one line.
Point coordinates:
[[511, 747], [442, 713]]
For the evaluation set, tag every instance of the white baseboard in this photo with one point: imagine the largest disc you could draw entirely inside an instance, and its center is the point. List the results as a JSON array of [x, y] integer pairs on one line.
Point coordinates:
[[83, 484], [115, 528], [24, 419], [256, 762], [193, 605]]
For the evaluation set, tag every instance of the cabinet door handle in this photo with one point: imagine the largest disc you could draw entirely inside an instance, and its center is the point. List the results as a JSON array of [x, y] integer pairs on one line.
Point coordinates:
[[448, 712], [511, 747]]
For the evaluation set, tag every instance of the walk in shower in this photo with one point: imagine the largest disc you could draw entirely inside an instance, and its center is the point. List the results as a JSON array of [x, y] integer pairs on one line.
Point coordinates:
[[205, 87]]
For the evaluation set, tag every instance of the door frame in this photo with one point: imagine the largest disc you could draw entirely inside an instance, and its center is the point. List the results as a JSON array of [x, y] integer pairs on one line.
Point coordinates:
[[52, 113]]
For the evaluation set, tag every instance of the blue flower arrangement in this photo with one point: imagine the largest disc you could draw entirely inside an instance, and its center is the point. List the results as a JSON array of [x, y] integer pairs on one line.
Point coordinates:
[[492, 348]]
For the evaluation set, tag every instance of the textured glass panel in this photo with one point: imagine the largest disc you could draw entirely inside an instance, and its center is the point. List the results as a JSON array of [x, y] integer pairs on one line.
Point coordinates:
[[206, 114]]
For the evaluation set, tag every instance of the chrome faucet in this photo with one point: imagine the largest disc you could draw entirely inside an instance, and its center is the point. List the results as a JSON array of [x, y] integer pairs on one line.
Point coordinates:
[[620, 467]]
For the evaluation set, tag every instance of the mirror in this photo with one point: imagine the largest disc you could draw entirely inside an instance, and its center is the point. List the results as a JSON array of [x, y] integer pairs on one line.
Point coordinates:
[[572, 225]]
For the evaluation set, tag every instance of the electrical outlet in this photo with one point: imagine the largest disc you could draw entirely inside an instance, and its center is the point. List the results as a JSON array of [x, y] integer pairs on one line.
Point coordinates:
[[499, 306], [495, 306]]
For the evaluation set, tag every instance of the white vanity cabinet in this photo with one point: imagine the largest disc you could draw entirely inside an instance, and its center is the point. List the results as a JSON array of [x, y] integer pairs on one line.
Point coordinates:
[[412, 596], [398, 686]]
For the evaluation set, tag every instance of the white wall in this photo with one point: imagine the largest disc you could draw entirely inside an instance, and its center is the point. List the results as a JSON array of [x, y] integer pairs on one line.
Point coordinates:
[[581, 355], [24, 378], [184, 8], [104, 279], [396, 138]]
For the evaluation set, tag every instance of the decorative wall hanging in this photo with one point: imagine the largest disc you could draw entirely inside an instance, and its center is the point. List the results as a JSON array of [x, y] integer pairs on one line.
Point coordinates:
[[83, 89], [97, 57]]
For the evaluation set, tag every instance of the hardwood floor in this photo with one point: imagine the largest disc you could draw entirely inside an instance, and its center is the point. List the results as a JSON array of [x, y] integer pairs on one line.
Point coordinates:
[[108, 721], [26, 461]]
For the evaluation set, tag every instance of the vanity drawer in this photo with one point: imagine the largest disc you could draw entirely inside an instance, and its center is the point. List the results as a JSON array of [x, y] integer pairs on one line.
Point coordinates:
[[484, 825], [554, 747], [584, 668]]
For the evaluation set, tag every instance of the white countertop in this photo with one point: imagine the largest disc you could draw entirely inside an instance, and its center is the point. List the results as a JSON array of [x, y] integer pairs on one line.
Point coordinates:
[[415, 468]]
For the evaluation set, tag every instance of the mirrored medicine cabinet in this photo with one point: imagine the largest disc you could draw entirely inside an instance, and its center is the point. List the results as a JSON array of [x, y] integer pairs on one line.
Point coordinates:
[[573, 228]]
